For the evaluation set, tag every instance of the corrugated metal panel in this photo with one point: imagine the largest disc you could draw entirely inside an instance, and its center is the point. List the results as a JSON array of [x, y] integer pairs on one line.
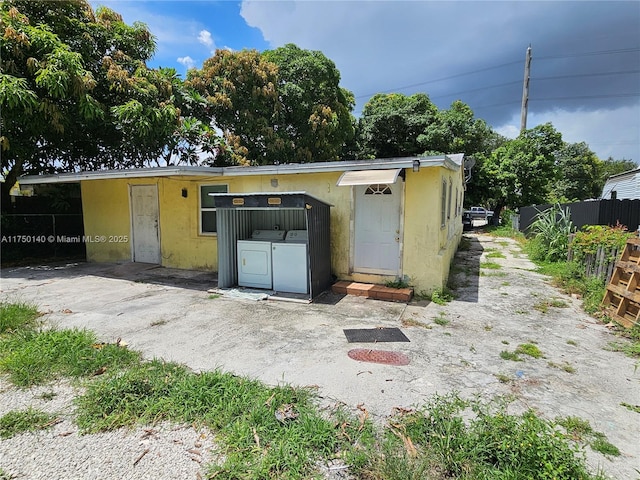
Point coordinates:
[[232, 225], [237, 224], [318, 228], [368, 177], [285, 219]]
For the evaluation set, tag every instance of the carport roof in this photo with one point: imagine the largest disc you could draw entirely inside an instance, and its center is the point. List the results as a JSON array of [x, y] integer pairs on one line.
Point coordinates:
[[452, 162]]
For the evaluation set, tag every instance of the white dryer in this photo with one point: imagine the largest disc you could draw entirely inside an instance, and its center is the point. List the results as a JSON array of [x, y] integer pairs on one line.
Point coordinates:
[[254, 258], [291, 264]]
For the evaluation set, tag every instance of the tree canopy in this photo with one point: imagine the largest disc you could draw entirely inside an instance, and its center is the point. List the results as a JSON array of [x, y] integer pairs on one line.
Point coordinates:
[[76, 93], [315, 120], [577, 174], [391, 123], [521, 171]]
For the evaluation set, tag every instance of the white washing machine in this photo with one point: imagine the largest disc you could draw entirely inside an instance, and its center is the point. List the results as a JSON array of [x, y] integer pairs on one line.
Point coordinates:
[[290, 263], [254, 258]]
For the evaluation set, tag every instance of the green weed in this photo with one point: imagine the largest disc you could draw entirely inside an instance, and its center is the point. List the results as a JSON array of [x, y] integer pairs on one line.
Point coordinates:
[[507, 355], [602, 445], [493, 274], [32, 357], [528, 349], [453, 438], [490, 265], [633, 408], [17, 316], [29, 420], [441, 319], [567, 367], [502, 378], [581, 430], [572, 343], [496, 255], [441, 296], [268, 432]]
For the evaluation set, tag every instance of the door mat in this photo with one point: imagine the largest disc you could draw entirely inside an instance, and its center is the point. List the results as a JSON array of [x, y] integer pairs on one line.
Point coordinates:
[[374, 335], [378, 356]]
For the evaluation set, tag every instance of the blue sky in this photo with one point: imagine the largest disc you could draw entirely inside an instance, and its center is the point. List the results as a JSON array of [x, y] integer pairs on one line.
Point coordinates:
[[585, 72]]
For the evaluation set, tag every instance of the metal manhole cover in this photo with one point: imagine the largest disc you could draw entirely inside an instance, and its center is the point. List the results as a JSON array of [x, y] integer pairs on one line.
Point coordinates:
[[378, 356]]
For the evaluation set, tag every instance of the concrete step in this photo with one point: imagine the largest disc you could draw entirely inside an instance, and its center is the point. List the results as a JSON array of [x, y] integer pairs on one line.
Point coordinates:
[[370, 290]]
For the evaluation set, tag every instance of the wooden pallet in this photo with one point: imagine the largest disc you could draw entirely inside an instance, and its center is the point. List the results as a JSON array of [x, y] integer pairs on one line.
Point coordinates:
[[622, 298]]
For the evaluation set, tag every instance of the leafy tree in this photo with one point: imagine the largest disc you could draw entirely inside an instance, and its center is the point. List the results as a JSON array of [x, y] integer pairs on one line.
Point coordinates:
[[611, 167], [520, 172], [76, 94], [457, 131], [241, 90], [578, 174], [314, 122], [391, 124]]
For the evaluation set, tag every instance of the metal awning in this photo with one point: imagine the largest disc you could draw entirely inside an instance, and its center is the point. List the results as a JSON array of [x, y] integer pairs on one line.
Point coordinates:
[[368, 177]]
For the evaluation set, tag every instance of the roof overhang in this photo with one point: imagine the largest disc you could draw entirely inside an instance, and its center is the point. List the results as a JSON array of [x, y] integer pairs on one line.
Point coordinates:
[[368, 177], [451, 162]]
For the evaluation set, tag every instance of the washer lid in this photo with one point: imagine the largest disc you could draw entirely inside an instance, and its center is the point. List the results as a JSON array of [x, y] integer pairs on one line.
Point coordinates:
[[297, 236], [268, 235]]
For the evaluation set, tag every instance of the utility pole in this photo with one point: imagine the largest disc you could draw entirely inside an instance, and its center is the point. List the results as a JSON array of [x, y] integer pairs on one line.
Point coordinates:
[[525, 91]]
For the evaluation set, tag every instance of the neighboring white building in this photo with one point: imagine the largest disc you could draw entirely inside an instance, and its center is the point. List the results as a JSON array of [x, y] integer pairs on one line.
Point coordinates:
[[623, 186]]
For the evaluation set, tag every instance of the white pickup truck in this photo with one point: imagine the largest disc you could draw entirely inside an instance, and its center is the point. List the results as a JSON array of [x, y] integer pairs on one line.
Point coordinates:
[[479, 213]]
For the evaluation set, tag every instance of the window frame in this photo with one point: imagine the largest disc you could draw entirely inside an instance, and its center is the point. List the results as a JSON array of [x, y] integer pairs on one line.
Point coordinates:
[[443, 207], [202, 209]]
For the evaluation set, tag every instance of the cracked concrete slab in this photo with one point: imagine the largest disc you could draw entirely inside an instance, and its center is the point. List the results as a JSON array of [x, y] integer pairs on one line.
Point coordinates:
[[501, 303]]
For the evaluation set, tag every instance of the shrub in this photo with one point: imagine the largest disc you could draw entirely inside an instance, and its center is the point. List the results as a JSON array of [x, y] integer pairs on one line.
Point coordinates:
[[587, 241], [552, 228]]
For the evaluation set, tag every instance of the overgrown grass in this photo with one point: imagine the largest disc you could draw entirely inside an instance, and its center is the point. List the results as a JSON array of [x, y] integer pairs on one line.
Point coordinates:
[[453, 438], [266, 432], [581, 430], [30, 356], [279, 432], [17, 316], [20, 421]]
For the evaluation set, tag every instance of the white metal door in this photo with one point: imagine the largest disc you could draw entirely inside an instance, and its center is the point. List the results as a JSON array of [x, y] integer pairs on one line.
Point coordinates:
[[144, 223], [377, 228]]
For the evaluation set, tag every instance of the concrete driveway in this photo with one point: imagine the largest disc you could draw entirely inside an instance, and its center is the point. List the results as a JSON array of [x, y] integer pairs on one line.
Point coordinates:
[[169, 314]]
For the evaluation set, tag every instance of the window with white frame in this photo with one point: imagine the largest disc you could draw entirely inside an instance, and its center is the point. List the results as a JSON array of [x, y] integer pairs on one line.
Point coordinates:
[[208, 208]]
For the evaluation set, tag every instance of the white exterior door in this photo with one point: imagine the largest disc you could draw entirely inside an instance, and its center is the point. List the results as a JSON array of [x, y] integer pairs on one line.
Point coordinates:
[[377, 233], [144, 224]]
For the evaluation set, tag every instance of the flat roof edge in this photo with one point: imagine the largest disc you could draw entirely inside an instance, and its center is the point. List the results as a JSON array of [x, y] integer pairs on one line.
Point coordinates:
[[452, 162]]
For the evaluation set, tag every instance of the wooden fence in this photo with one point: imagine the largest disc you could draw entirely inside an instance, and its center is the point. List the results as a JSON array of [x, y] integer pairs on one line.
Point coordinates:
[[601, 264]]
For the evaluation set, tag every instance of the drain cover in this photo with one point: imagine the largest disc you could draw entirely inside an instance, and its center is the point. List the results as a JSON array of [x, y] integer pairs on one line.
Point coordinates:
[[378, 356]]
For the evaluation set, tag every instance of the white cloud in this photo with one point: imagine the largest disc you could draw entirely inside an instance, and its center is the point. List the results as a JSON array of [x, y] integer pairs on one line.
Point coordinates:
[[609, 133], [187, 61], [204, 37]]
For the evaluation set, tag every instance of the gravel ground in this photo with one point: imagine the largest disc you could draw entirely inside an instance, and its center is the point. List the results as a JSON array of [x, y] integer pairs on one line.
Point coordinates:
[[163, 451]]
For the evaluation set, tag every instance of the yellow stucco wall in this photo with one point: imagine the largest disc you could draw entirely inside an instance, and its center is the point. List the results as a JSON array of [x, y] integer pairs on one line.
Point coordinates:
[[426, 251]]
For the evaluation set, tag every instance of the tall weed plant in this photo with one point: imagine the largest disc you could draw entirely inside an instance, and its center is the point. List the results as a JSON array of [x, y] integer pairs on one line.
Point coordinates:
[[551, 228]]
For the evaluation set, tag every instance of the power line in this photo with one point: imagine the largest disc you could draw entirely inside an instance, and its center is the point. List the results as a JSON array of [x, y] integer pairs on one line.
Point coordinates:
[[584, 54], [439, 79], [584, 97], [590, 54], [584, 75]]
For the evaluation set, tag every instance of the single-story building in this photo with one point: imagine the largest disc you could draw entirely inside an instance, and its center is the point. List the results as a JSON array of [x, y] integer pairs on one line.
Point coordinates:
[[388, 219], [623, 186]]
